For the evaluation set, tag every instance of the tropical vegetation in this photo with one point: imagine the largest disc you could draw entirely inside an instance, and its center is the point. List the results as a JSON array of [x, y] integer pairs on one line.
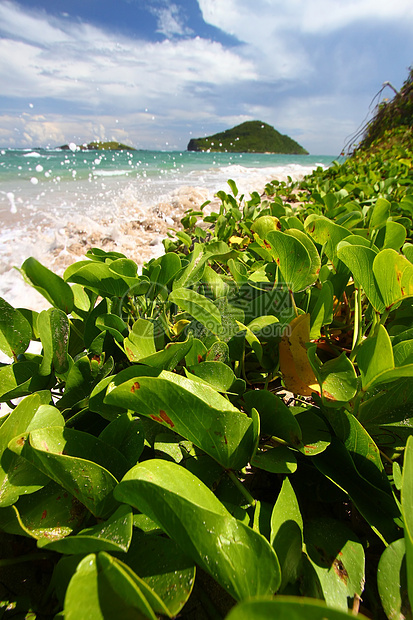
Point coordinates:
[[228, 433], [249, 137]]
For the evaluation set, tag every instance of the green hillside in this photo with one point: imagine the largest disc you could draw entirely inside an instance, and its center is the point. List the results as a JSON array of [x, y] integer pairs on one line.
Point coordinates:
[[101, 146], [249, 137]]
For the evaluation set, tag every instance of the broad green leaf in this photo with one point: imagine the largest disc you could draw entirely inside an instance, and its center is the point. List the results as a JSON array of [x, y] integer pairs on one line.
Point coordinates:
[[113, 324], [276, 418], [49, 514], [337, 376], [97, 277], [375, 357], [337, 557], [407, 511], [392, 235], [198, 306], [169, 357], [359, 259], [293, 259], [102, 589], [194, 410], [279, 460], [21, 379], [408, 251], [377, 507], [362, 449], [288, 608], [140, 343], [192, 272], [162, 565], [392, 581], [403, 352], [394, 276], [56, 453], [265, 224], [322, 313], [311, 249], [96, 404], [216, 374], [17, 477], [53, 327], [57, 292], [379, 213], [316, 435], [15, 330], [287, 533], [114, 534], [326, 233], [126, 434], [192, 516], [375, 360]]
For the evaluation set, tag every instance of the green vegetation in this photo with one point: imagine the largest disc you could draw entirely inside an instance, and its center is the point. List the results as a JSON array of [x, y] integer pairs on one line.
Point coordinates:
[[101, 146], [249, 137], [228, 434]]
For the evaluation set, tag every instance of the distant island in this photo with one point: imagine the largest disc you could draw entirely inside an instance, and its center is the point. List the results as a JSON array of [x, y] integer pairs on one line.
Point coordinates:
[[98, 146], [249, 137]]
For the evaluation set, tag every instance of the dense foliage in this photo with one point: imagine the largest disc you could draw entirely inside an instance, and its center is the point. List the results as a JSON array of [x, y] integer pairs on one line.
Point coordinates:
[[227, 434], [249, 137], [393, 120]]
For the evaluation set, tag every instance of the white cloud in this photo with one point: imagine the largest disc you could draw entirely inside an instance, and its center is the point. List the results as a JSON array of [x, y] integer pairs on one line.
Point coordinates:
[[85, 64], [170, 21]]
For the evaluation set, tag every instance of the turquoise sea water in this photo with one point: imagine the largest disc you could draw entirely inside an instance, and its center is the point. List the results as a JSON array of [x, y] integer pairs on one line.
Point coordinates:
[[54, 204]]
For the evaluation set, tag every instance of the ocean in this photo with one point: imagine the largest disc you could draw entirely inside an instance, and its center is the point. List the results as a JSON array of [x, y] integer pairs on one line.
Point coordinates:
[[56, 204]]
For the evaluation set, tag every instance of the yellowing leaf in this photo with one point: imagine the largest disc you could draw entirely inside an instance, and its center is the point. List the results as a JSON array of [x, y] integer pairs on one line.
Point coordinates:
[[297, 372]]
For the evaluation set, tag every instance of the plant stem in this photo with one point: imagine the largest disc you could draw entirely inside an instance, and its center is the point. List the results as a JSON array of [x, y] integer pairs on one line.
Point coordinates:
[[241, 488]]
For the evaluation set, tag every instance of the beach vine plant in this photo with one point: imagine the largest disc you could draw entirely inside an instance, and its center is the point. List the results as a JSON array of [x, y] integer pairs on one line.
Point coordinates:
[[228, 433]]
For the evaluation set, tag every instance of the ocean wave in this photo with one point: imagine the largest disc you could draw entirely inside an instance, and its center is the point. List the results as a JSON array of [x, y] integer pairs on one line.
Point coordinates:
[[33, 154], [111, 173]]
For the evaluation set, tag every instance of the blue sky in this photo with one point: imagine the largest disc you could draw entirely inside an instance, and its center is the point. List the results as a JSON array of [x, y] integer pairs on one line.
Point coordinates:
[[154, 73]]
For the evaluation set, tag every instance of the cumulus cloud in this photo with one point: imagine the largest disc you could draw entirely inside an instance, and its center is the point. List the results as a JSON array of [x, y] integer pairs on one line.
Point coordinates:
[[171, 22]]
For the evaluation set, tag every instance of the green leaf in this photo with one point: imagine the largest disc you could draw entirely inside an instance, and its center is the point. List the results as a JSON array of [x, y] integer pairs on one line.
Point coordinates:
[[392, 581], [57, 292], [198, 306], [287, 533], [56, 452], [140, 343], [360, 259], [377, 507], [407, 511], [192, 516], [102, 588], [279, 460], [326, 233], [98, 277], [216, 374], [394, 275], [337, 376], [379, 213], [375, 360], [288, 608], [194, 410], [337, 557], [18, 477], [311, 249], [53, 327], [115, 534], [21, 379], [276, 418], [15, 330], [293, 259], [162, 565], [392, 235], [49, 514], [316, 435], [322, 313]]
